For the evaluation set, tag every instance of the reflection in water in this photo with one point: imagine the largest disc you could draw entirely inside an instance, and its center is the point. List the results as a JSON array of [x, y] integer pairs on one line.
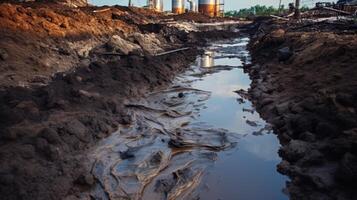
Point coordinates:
[[207, 59], [182, 143], [248, 171], [228, 61], [262, 147]]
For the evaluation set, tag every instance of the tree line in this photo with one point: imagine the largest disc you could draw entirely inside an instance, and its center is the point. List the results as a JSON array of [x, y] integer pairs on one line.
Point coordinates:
[[259, 10]]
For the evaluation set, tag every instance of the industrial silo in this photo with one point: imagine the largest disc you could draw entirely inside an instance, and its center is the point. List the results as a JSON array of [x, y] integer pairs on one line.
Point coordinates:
[[178, 6], [193, 5], [207, 7], [211, 7], [159, 5]]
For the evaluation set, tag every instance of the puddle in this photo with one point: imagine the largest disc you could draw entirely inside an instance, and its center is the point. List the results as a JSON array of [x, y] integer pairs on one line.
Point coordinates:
[[197, 139]]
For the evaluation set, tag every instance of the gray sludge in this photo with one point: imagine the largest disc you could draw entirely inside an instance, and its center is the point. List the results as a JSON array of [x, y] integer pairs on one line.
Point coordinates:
[[161, 155]]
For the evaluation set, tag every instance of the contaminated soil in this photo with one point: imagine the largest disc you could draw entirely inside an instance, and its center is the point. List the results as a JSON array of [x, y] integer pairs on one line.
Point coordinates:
[[304, 77], [67, 77]]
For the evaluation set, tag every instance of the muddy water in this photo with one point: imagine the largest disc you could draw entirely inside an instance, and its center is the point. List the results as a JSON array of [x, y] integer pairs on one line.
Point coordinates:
[[248, 171], [197, 139]]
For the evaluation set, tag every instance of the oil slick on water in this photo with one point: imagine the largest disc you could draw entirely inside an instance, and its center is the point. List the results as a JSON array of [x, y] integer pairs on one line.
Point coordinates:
[[197, 139]]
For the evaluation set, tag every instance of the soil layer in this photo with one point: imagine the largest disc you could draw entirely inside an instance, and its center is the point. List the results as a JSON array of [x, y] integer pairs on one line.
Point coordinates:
[[304, 83], [66, 74]]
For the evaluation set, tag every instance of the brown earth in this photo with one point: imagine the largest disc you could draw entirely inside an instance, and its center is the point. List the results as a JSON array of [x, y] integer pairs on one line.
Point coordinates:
[[305, 84], [56, 38], [64, 76]]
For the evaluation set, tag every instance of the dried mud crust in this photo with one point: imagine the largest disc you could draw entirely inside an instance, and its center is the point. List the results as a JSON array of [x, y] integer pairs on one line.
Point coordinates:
[[305, 83]]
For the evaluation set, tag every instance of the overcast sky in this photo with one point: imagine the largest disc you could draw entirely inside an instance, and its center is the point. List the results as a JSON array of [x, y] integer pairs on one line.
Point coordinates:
[[229, 4]]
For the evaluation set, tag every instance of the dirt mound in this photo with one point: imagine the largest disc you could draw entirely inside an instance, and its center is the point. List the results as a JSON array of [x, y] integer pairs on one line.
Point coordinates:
[[60, 21], [58, 38], [304, 83]]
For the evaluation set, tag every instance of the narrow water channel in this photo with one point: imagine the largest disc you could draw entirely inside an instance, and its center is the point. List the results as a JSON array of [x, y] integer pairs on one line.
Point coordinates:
[[197, 139], [248, 171]]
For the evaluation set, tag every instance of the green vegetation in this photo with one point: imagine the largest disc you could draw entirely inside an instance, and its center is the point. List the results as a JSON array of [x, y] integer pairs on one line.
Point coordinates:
[[258, 10], [304, 8]]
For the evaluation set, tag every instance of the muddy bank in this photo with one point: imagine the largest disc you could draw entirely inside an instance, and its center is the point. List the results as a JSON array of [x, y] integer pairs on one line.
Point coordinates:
[[66, 75], [304, 83], [46, 129]]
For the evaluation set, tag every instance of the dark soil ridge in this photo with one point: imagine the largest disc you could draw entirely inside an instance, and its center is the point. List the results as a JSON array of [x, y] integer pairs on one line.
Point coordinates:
[[304, 84]]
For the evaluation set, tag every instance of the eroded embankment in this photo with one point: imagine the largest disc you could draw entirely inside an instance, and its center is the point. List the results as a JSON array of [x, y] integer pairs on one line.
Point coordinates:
[[305, 83], [65, 74]]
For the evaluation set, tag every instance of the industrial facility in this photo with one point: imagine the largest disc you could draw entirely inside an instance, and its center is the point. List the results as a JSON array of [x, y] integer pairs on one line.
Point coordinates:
[[178, 6], [157, 5], [213, 8]]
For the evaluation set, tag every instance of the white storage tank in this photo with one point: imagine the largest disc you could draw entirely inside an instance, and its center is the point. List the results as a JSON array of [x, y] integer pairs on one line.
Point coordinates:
[[193, 6], [159, 5]]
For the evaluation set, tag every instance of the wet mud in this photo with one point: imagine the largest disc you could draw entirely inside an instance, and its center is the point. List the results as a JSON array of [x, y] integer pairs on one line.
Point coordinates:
[[161, 155], [168, 150], [68, 79], [304, 84]]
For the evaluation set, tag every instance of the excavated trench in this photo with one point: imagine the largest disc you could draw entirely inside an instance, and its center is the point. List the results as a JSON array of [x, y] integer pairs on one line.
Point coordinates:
[[200, 138]]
